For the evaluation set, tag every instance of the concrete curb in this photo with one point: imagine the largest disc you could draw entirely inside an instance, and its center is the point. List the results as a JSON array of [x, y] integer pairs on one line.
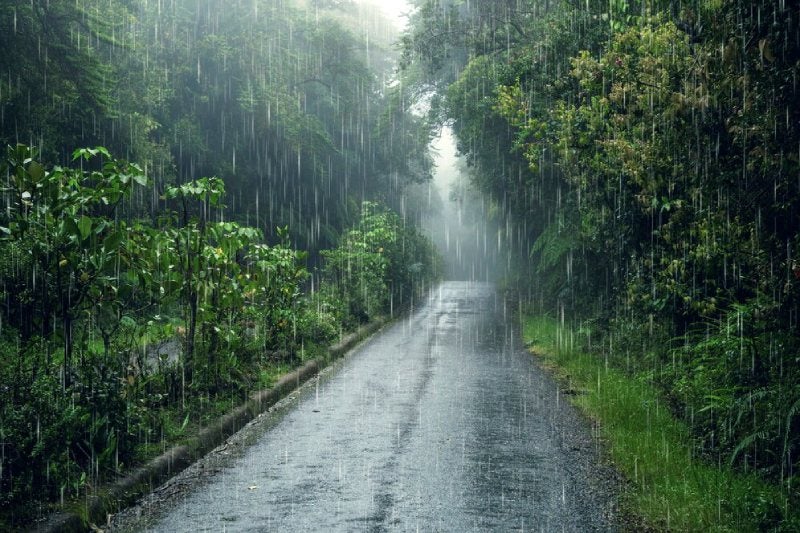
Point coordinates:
[[124, 492]]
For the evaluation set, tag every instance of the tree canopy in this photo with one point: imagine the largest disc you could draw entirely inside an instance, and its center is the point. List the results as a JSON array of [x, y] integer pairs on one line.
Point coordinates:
[[646, 153], [232, 218], [289, 103]]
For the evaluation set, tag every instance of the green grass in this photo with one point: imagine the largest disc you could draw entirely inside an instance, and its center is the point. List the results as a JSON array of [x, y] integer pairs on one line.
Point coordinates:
[[270, 374], [670, 488]]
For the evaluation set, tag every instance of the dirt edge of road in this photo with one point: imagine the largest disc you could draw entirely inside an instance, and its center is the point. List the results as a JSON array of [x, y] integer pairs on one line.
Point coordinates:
[[111, 498]]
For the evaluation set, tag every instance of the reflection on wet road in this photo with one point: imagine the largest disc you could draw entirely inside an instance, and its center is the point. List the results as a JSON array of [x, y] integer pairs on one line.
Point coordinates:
[[441, 422]]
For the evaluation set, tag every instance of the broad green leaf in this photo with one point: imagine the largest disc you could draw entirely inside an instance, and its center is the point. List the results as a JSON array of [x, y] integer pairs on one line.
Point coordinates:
[[85, 226], [36, 171], [113, 241], [85, 153], [100, 226], [71, 228]]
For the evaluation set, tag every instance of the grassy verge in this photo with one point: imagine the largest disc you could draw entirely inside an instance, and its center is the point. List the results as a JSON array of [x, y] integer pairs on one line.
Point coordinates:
[[670, 488]]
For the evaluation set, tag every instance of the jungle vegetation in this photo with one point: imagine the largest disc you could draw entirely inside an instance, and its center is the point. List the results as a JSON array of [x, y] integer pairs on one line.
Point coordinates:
[[197, 195], [646, 155]]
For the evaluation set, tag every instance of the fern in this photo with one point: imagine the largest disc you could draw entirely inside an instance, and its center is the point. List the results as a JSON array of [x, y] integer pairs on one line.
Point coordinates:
[[793, 410], [745, 443], [554, 243]]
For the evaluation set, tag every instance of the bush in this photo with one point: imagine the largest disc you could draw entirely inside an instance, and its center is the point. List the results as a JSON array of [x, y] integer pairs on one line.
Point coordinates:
[[379, 265]]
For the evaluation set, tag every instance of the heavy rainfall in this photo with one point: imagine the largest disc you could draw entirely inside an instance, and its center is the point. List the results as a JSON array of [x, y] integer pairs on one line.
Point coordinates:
[[430, 265]]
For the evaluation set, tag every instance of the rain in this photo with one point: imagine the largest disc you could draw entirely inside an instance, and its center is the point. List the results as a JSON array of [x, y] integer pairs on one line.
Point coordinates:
[[431, 265]]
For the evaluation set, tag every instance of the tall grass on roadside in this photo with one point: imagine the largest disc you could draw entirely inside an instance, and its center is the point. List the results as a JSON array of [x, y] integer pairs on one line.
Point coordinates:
[[670, 488]]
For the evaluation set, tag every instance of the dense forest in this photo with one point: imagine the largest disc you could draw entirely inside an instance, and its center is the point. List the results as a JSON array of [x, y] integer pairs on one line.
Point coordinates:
[[646, 155], [197, 195]]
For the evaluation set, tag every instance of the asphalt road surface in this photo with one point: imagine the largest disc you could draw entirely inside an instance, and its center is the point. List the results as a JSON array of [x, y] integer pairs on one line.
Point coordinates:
[[440, 422]]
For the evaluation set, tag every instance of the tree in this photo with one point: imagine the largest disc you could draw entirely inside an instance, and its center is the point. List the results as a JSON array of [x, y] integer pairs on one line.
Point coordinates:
[[64, 221], [641, 154], [58, 81]]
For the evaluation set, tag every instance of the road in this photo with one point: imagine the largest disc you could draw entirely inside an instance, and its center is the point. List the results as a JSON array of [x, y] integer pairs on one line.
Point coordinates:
[[440, 422]]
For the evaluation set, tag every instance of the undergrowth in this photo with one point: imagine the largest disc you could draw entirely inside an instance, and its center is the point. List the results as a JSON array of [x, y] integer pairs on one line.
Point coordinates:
[[670, 487]]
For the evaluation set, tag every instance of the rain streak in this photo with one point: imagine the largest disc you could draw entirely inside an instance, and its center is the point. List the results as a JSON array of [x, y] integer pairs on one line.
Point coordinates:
[[395, 265]]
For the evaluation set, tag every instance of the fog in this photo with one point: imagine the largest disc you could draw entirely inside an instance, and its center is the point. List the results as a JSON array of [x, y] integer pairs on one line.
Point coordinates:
[[459, 221], [396, 11]]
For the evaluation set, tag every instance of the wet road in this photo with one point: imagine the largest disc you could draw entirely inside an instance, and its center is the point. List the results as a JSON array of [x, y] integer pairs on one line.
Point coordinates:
[[441, 422]]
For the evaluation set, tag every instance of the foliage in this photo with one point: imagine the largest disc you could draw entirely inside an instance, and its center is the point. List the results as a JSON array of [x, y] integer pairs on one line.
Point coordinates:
[[645, 155], [117, 332], [58, 75], [63, 223], [130, 308], [379, 265], [289, 104], [64, 242], [672, 488]]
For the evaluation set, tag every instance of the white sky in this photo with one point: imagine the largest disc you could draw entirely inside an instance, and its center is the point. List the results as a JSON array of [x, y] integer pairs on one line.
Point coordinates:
[[395, 9]]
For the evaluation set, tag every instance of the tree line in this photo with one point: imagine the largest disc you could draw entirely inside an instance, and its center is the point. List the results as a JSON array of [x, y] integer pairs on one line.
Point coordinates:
[[93, 298], [289, 102], [645, 154], [197, 196]]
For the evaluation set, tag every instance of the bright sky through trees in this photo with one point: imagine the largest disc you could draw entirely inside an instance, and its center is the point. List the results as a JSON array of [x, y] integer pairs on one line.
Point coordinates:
[[396, 10]]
